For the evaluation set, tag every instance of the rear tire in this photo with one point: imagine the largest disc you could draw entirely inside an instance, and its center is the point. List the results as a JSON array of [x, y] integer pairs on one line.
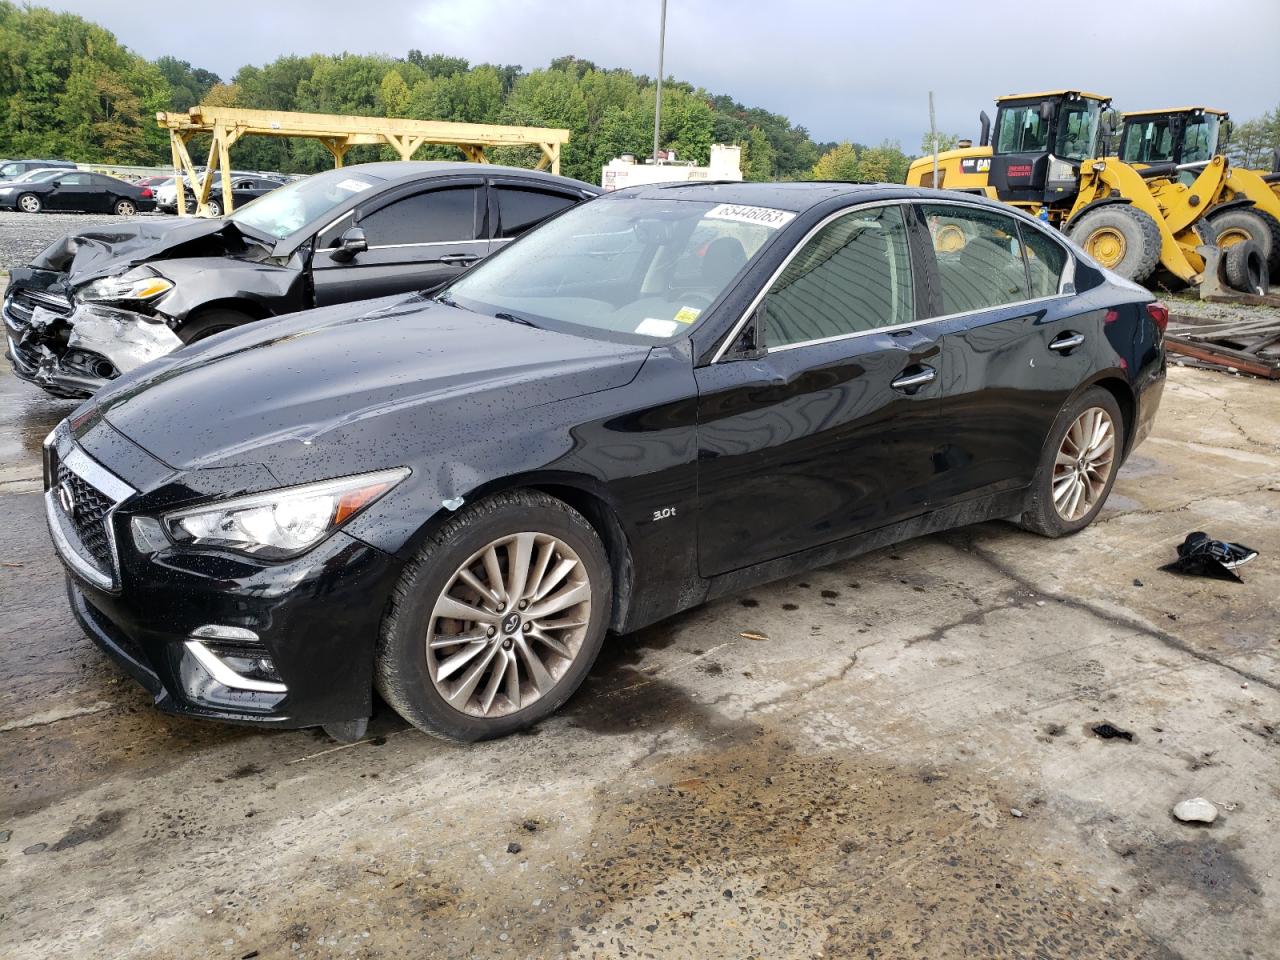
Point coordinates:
[[1047, 514], [1238, 225], [30, 203], [1245, 267], [430, 681], [209, 322], [125, 208], [1122, 238]]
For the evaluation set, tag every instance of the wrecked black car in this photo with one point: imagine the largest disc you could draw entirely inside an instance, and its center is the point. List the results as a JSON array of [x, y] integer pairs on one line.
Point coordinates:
[[663, 396], [103, 301]]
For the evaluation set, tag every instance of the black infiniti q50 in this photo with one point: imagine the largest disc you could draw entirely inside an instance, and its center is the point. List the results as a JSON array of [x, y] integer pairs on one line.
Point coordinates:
[[664, 395]]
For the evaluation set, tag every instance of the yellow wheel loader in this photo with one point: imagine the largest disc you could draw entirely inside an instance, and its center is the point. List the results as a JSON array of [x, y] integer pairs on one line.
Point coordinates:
[[1184, 141], [1045, 157]]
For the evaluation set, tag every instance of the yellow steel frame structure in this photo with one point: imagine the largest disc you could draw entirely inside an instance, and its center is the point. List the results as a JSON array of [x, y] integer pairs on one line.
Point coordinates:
[[338, 133]]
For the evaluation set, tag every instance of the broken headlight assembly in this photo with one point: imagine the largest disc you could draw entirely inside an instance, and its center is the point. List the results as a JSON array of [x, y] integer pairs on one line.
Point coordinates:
[[280, 523], [132, 287]]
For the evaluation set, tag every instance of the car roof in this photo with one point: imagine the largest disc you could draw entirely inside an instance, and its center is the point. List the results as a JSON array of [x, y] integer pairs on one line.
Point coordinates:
[[797, 196], [392, 170]]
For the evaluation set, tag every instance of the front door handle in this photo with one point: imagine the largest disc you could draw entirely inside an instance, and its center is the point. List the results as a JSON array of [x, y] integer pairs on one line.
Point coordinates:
[[913, 381], [459, 258], [1066, 341]]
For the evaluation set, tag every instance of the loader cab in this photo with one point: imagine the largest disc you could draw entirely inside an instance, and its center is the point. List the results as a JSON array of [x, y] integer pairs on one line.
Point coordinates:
[[1182, 135], [1039, 142]]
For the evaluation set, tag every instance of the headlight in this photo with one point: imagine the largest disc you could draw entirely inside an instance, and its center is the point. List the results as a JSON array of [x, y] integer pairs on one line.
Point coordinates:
[[280, 523], [126, 287]]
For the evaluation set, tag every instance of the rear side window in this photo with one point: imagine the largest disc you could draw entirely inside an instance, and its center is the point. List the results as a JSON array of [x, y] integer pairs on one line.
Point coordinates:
[[1045, 261], [979, 257], [854, 275], [520, 209], [437, 216]]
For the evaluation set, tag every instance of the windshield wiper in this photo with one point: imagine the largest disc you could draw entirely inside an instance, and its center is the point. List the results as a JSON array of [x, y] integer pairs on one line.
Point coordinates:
[[514, 319]]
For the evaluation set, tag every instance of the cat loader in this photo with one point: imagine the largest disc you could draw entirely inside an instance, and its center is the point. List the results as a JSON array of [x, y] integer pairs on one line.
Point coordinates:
[[1243, 204], [1044, 156]]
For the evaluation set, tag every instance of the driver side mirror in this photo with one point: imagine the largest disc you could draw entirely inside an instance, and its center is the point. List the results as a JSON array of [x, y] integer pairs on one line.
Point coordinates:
[[351, 242], [1046, 110]]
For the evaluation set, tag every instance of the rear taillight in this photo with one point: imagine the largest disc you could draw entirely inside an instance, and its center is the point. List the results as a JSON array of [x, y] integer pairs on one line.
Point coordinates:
[[1160, 314], [146, 193]]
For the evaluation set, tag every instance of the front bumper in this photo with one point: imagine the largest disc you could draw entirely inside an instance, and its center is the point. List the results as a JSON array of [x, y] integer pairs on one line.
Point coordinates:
[[72, 350], [181, 622]]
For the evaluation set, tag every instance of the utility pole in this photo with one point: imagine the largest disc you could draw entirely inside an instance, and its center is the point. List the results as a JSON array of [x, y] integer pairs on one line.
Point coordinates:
[[657, 104], [933, 134]]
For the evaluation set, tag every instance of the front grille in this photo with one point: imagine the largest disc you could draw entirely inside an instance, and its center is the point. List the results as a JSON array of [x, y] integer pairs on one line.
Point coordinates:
[[88, 516], [22, 304]]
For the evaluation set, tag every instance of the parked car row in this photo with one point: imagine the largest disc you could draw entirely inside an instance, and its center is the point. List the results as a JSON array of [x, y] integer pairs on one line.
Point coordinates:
[[656, 397]]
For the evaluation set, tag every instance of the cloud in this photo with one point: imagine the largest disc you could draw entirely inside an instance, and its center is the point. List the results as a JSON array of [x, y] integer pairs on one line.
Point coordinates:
[[856, 70]]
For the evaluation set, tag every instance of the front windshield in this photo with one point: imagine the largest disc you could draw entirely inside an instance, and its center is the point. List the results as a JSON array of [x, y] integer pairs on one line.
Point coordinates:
[[1200, 138], [294, 205], [640, 267], [1147, 141], [1078, 129]]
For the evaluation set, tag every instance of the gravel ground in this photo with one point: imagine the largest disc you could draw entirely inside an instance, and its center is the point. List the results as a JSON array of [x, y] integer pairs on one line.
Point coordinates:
[[23, 235]]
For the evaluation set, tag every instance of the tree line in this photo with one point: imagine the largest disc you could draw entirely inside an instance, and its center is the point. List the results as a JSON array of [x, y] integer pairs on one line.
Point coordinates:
[[69, 88]]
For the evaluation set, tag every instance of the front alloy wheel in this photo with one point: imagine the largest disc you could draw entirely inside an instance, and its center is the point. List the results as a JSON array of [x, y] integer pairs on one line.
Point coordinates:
[[29, 203], [1083, 464], [508, 625], [496, 621]]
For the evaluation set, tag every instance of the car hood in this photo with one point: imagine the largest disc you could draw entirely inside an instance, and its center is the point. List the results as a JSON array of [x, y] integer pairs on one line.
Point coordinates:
[[316, 381], [104, 251]]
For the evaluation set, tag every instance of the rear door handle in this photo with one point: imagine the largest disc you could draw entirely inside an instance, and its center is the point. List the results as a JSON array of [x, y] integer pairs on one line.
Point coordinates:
[[459, 258], [1066, 341], [911, 381]]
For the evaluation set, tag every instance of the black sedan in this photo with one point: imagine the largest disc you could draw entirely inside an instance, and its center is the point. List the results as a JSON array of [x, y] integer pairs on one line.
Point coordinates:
[[103, 301], [662, 396], [77, 190], [244, 190]]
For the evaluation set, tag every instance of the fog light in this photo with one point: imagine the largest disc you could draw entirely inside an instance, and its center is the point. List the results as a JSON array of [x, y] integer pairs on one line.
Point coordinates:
[[238, 666]]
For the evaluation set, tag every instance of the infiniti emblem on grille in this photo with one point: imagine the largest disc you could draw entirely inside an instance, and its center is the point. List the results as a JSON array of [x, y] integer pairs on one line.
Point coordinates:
[[67, 497]]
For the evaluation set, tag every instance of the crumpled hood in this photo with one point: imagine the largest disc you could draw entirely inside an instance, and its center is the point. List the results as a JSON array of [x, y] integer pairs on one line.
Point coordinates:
[[314, 380], [114, 248]]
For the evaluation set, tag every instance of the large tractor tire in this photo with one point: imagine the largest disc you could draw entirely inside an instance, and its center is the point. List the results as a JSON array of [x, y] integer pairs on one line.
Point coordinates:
[[1122, 238], [1241, 224], [1245, 267]]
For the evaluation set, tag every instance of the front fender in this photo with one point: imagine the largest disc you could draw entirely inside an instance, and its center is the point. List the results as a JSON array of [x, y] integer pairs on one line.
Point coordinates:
[[266, 288]]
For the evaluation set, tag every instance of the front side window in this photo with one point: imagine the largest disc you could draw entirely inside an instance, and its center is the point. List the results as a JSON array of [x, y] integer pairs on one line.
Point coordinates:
[[75, 180], [854, 275], [642, 268], [1046, 261], [519, 209], [436, 216], [1022, 130], [979, 257], [1200, 138], [1147, 141], [1078, 129]]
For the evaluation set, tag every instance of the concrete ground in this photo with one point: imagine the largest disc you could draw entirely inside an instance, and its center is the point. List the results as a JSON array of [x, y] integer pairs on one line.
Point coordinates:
[[893, 757]]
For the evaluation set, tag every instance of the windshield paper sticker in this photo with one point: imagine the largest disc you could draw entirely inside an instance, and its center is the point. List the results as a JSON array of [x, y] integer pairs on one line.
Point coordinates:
[[765, 216], [650, 327], [687, 314], [352, 186]]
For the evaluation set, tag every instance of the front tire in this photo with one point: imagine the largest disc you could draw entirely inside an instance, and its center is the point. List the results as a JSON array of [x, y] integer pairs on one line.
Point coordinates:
[[209, 322], [498, 619], [215, 208], [1122, 238], [1078, 466], [30, 203]]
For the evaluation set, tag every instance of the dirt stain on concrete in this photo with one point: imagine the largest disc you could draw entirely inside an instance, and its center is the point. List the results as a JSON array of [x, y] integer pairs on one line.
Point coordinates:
[[100, 827]]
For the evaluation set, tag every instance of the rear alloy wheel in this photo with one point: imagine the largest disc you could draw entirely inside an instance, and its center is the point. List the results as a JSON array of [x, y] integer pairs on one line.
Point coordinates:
[[1077, 466], [30, 203], [497, 621], [1122, 238], [125, 208]]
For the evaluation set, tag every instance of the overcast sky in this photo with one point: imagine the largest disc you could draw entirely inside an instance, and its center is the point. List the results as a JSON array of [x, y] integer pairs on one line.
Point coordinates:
[[853, 70]]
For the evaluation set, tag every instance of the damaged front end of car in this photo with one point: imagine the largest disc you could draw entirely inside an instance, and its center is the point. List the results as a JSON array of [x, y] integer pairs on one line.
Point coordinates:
[[71, 348]]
